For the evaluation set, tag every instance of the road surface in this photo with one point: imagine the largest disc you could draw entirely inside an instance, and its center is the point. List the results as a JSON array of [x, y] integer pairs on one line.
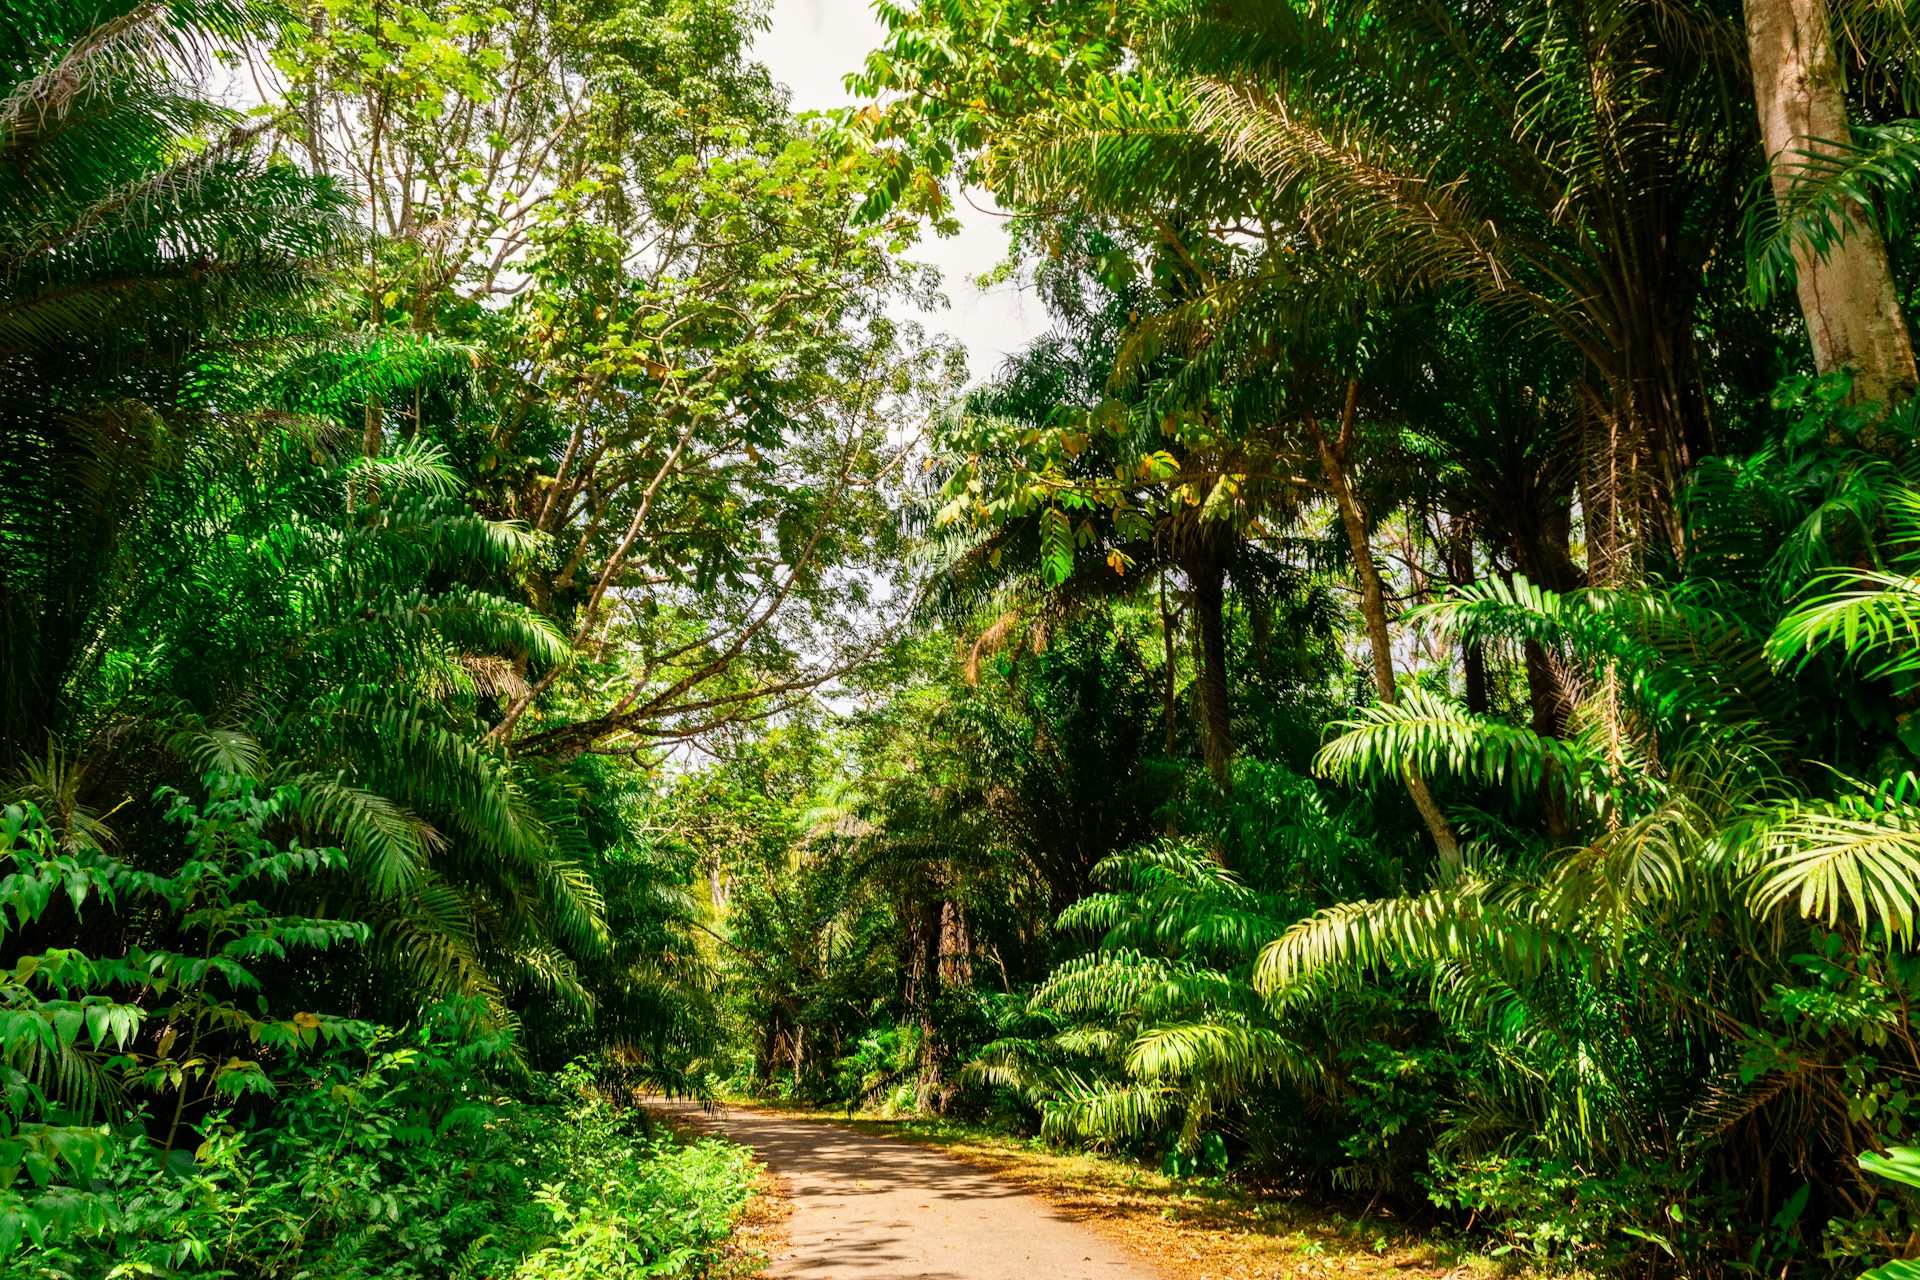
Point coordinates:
[[867, 1208]]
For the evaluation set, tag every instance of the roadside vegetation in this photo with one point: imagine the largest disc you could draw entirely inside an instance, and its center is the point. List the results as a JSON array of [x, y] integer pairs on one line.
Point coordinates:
[[413, 419], [1399, 707], [1412, 702]]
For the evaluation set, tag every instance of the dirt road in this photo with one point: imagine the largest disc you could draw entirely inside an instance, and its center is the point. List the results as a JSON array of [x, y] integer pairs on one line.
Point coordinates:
[[867, 1208]]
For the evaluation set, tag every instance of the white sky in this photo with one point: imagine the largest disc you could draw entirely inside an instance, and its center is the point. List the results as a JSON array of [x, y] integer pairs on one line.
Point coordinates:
[[810, 47]]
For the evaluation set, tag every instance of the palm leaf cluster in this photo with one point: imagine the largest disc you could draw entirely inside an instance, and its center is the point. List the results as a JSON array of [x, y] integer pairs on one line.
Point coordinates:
[[201, 570], [1703, 857], [1159, 1029]]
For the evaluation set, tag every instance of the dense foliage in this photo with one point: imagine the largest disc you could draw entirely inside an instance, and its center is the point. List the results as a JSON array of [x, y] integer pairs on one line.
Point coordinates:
[[1406, 692], [392, 462], [1413, 693]]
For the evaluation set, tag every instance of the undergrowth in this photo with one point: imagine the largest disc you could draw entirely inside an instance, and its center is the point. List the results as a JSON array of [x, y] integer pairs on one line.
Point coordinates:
[[366, 1173]]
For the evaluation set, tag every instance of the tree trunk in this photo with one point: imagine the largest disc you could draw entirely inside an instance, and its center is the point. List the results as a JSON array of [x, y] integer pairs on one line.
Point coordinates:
[[1473, 656], [1547, 696], [923, 960], [932, 919], [1373, 607], [956, 947], [770, 1047], [1167, 688], [1853, 314], [1474, 662], [372, 436], [316, 146], [1208, 578]]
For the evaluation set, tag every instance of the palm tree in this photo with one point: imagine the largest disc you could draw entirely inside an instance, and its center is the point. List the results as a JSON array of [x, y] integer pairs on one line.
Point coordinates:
[[1624, 967], [1097, 478], [199, 572], [1158, 1029], [1578, 179], [141, 231], [1845, 284]]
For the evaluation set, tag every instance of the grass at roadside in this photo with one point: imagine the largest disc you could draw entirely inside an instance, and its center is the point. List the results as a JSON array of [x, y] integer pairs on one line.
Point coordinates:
[[1194, 1228], [753, 1226]]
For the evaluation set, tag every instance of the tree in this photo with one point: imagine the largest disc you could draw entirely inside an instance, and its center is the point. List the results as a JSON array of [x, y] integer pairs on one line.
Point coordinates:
[[1845, 287], [1584, 207], [204, 570], [685, 373]]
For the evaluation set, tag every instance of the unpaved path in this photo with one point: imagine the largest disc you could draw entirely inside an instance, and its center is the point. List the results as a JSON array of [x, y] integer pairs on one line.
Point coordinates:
[[867, 1208]]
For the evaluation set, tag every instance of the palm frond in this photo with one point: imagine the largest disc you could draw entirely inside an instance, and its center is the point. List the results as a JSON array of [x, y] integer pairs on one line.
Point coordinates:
[[1857, 856], [1875, 621], [1453, 922], [1837, 187]]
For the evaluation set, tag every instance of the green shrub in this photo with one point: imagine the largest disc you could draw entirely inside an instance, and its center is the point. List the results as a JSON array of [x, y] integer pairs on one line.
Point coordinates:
[[402, 1168], [151, 1126], [1553, 1209], [631, 1208]]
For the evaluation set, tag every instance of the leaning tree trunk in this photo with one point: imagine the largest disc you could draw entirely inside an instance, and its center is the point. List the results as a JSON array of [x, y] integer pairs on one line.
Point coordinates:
[[1373, 607], [1853, 314]]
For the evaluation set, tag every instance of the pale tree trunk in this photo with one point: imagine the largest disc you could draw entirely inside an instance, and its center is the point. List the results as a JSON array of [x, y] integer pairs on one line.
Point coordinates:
[[1373, 608], [1853, 314]]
